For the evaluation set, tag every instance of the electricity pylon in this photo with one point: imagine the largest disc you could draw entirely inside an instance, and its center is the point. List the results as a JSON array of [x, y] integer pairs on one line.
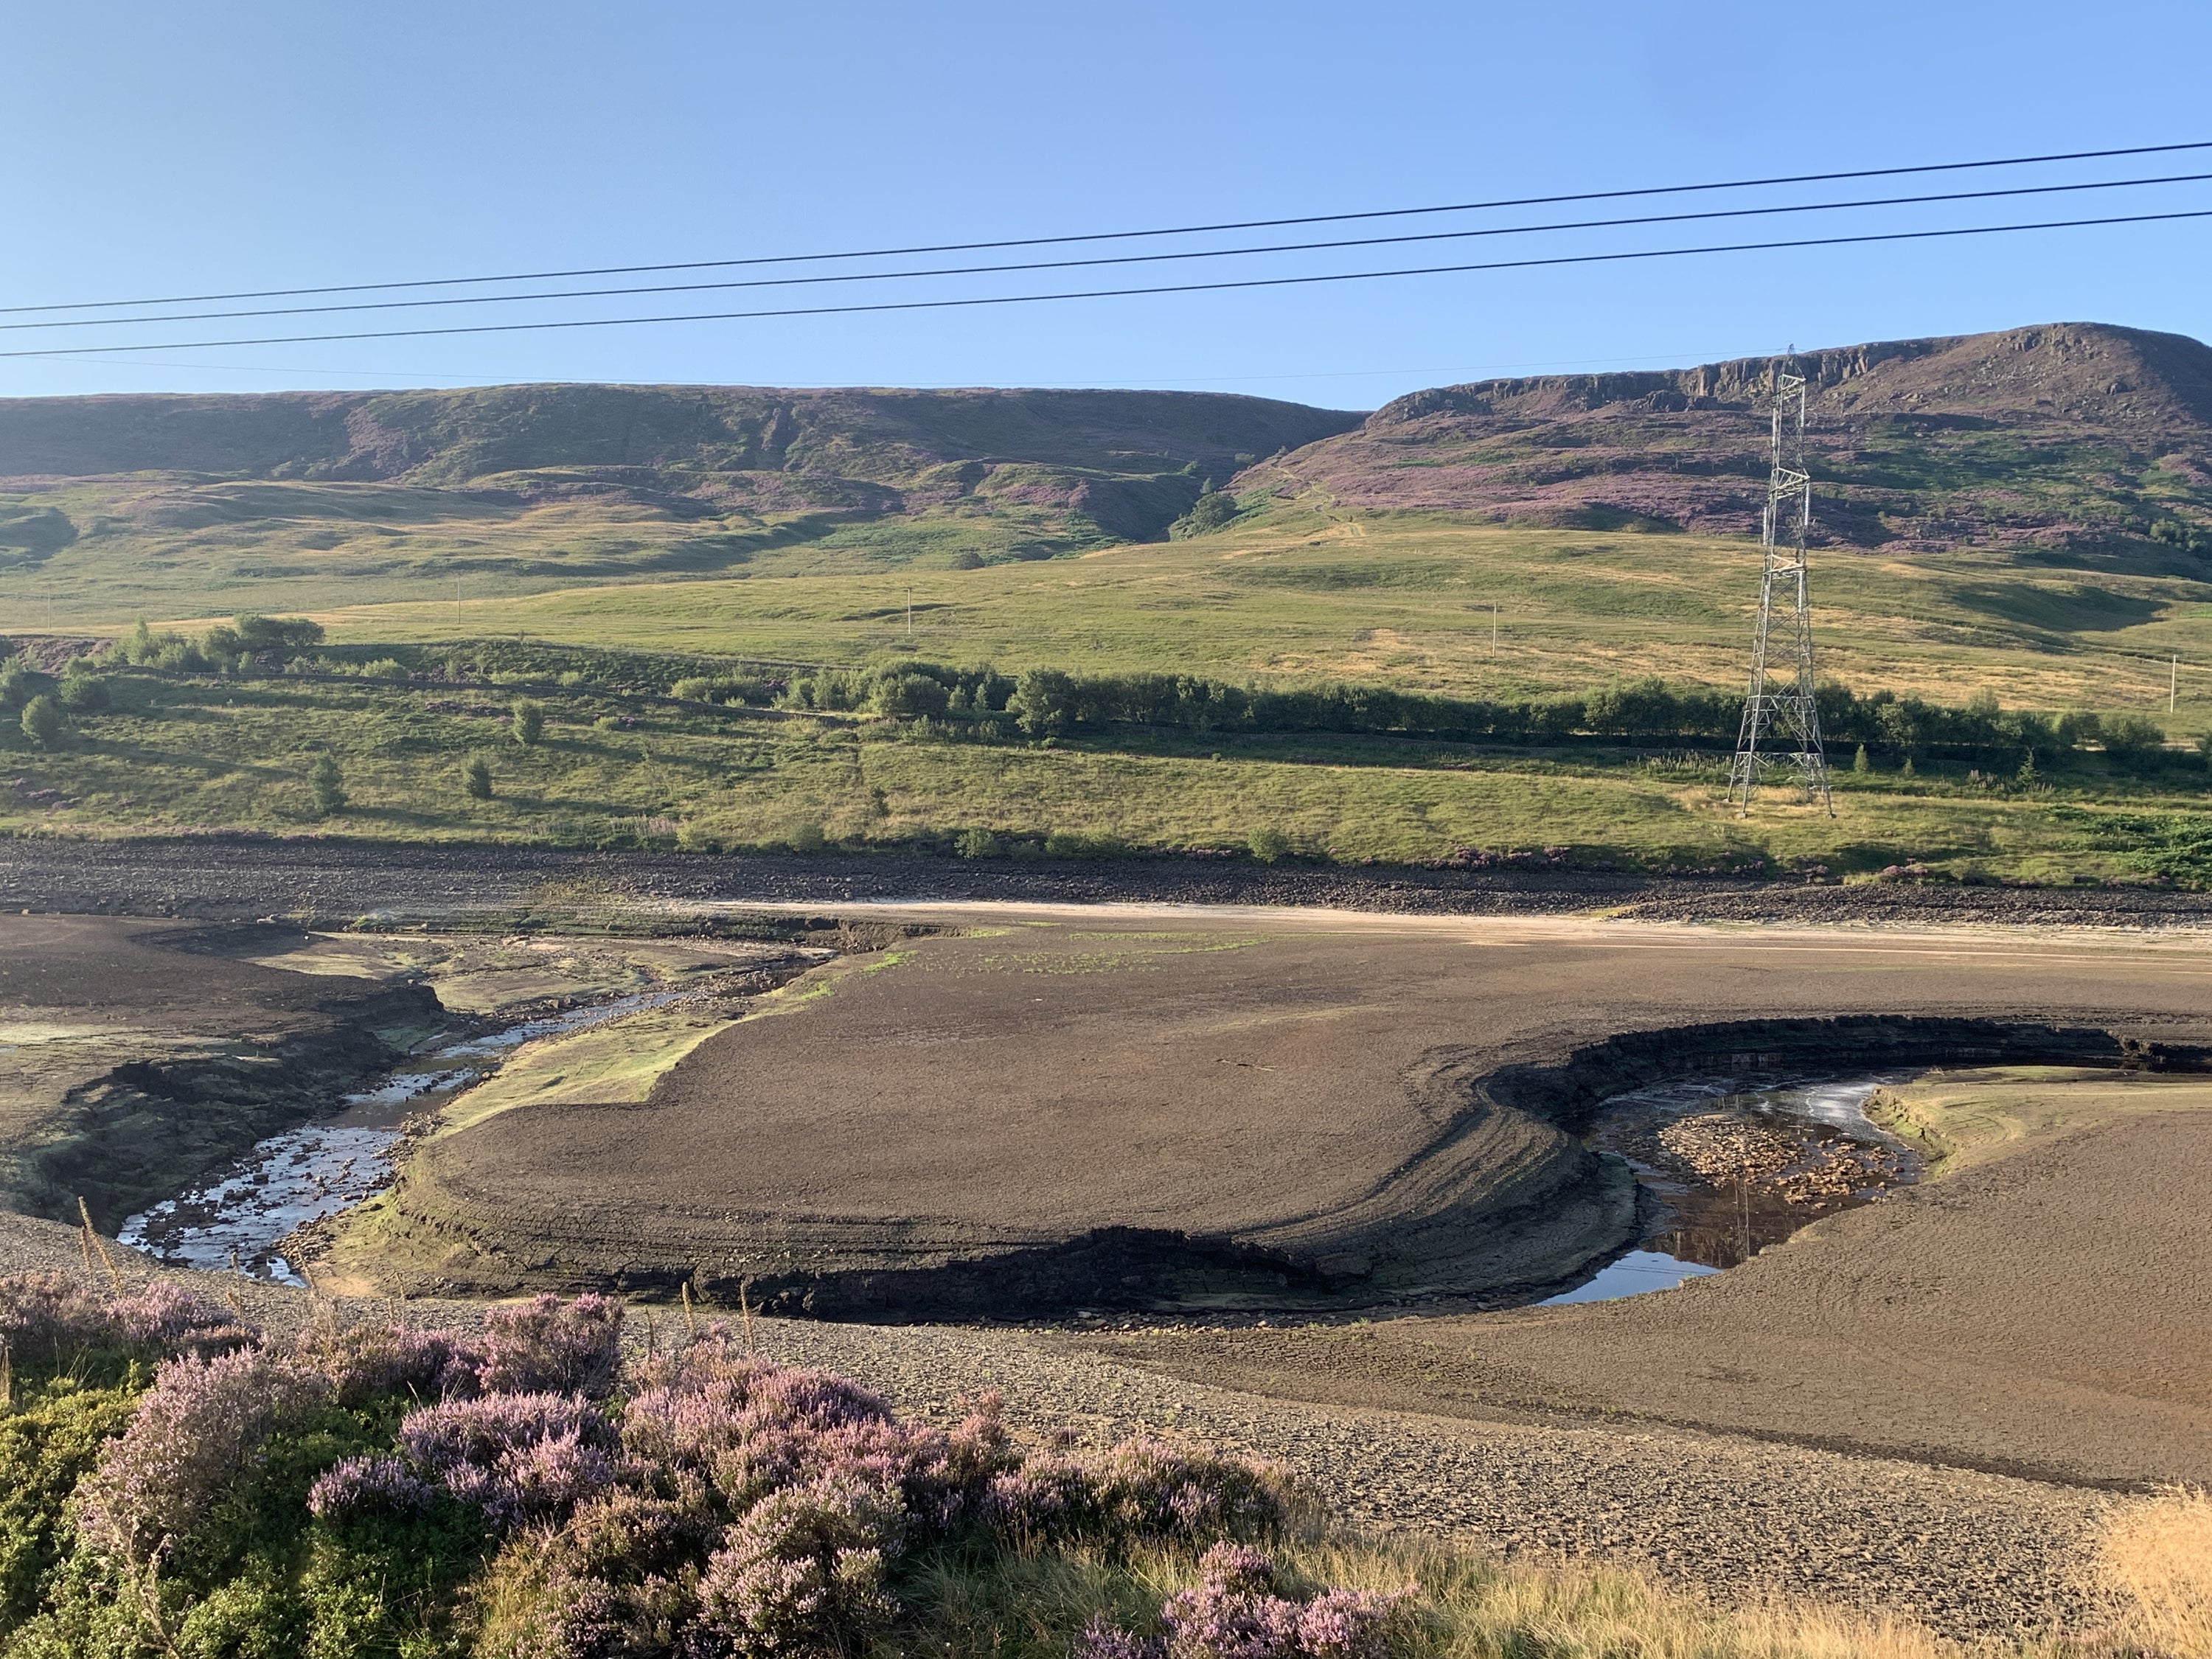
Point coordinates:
[[1777, 707]]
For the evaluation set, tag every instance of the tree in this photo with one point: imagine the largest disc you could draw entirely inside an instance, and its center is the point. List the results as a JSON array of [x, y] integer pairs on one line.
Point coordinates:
[[476, 778], [1269, 844], [1860, 765], [42, 720], [909, 696], [328, 783], [1042, 702], [82, 691], [1212, 509], [529, 722]]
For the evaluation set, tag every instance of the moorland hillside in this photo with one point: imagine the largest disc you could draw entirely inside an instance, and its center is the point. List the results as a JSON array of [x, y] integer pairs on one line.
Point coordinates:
[[606, 480], [2044, 442]]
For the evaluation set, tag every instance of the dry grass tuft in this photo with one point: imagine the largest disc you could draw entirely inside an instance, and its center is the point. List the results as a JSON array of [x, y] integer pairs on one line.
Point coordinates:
[[2159, 1554]]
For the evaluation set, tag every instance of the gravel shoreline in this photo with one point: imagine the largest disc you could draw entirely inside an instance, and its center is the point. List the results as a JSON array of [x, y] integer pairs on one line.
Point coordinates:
[[236, 878]]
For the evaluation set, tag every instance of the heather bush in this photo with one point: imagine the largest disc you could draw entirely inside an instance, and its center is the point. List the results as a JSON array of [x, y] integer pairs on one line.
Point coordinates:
[[518, 1457], [1142, 1490], [199, 1427], [54, 1321], [371, 1362], [805, 1572], [571, 1348], [381, 1490]]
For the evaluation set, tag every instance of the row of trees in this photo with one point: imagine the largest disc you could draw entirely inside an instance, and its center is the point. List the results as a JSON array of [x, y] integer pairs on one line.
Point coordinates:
[[240, 645], [1048, 702]]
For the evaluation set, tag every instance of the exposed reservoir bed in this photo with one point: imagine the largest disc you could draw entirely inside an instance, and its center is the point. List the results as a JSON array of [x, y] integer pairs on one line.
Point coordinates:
[[239, 1218], [1730, 1164]]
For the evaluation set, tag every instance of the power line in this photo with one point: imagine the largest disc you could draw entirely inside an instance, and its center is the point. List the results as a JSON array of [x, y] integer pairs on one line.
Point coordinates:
[[1115, 292], [1123, 259], [1118, 235]]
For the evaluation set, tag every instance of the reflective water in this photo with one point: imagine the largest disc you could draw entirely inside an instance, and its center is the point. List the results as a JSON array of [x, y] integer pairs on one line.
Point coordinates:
[[237, 1219], [1731, 1164]]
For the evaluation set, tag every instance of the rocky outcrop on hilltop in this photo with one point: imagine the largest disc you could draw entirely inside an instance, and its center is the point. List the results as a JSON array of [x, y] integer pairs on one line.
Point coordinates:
[[2067, 438]]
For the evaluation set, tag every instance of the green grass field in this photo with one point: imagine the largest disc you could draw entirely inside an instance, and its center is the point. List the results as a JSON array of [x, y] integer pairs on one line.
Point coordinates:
[[185, 754], [1287, 595], [1283, 596]]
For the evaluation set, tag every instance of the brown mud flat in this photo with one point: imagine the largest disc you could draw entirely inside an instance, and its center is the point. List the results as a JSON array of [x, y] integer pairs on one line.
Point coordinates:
[[136, 1055], [240, 878], [1191, 1112], [2044, 1314]]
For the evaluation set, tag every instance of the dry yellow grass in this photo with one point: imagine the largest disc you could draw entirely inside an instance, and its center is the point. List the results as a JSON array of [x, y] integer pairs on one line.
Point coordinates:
[[2158, 1555]]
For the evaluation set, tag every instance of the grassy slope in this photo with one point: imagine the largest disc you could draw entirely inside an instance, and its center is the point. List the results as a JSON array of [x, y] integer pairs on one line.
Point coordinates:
[[1291, 593], [194, 755]]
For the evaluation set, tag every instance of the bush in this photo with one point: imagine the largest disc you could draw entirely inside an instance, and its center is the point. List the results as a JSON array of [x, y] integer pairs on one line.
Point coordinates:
[[199, 1427], [1269, 844], [476, 777], [2134, 740], [83, 692], [1043, 701], [529, 722], [1236, 1613], [910, 696], [347, 1493], [328, 784], [42, 720], [977, 844], [1212, 509], [20, 682]]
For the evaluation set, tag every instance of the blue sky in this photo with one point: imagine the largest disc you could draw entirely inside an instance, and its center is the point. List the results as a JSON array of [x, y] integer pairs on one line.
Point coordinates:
[[158, 148]]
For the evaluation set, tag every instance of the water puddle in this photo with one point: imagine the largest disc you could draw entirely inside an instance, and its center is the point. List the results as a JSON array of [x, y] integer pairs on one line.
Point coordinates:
[[1729, 1165], [236, 1220]]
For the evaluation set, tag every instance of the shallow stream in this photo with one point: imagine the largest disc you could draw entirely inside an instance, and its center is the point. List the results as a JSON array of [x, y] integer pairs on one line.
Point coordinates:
[[237, 1219], [1731, 1164]]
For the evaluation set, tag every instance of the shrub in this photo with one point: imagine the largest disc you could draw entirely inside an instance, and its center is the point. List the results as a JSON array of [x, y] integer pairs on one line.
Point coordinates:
[[20, 682], [978, 844], [369, 1361], [1212, 509], [200, 1426], [1235, 1613], [1269, 844], [910, 696], [549, 1345], [42, 720], [518, 1457], [805, 1572], [1142, 1489], [476, 777], [2133, 741], [529, 722], [85, 693], [327, 783], [50, 1319], [1042, 702]]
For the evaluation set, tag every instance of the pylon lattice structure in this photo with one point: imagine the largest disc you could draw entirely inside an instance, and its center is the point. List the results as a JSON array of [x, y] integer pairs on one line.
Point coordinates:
[[1781, 718]]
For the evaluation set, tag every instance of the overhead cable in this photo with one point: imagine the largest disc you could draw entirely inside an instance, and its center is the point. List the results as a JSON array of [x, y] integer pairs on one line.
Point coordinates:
[[1115, 259], [1115, 293], [1119, 235]]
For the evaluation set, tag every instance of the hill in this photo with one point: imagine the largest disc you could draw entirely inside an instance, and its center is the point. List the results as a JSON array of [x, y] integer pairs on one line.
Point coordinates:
[[2075, 439], [298, 498]]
